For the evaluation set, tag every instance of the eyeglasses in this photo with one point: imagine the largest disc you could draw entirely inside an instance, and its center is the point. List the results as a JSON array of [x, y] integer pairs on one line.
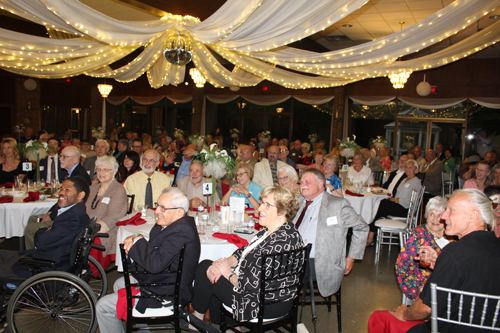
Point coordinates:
[[147, 160], [240, 174], [282, 178], [495, 200], [267, 204], [103, 170], [65, 156], [136, 146], [163, 209]]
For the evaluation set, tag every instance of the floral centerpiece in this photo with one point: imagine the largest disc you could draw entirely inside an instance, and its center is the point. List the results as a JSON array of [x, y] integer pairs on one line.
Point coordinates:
[[313, 138], [34, 151], [19, 128], [216, 163], [197, 140], [265, 136], [98, 132], [409, 141], [348, 147], [234, 133], [178, 132], [379, 142]]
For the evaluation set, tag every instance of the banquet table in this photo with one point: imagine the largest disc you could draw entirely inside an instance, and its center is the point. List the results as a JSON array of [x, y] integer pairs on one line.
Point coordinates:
[[367, 205], [211, 248], [14, 216]]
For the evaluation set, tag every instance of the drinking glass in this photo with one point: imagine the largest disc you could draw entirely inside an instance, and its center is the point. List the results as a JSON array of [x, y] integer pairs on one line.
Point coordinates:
[[424, 259], [237, 216]]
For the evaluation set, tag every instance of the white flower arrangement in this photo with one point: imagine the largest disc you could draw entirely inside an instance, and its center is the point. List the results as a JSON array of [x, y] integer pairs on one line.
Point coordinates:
[[265, 136], [33, 150], [197, 140], [216, 162], [409, 141], [379, 142], [98, 132], [348, 147], [19, 128], [313, 138], [234, 133], [178, 132]]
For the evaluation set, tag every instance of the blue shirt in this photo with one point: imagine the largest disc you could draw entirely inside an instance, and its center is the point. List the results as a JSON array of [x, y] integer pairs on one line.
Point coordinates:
[[335, 182], [254, 189], [183, 169]]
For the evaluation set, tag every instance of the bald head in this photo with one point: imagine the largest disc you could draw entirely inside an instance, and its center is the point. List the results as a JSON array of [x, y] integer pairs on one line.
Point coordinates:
[[430, 155], [70, 156], [246, 153]]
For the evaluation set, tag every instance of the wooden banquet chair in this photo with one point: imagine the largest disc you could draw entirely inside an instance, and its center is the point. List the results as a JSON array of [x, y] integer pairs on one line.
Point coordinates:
[[378, 178], [130, 200]]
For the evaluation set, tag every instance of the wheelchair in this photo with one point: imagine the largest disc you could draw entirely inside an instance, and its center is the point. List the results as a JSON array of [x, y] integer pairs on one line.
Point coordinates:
[[57, 301]]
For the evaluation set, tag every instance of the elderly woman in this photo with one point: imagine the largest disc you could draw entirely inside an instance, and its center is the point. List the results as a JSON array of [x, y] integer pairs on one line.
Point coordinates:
[[385, 159], [306, 158], [318, 157], [288, 178], [481, 178], [495, 171], [359, 172], [107, 201], [234, 281], [159, 150], [493, 193], [411, 276], [131, 164], [399, 203], [245, 188], [333, 183], [11, 166]]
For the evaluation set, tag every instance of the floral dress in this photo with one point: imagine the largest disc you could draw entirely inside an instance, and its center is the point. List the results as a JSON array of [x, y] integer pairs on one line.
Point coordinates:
[[411, 277], [386, 163]]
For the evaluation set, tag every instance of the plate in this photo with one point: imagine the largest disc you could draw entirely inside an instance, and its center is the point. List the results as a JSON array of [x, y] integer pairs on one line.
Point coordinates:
[[51, 199], [17, 193]]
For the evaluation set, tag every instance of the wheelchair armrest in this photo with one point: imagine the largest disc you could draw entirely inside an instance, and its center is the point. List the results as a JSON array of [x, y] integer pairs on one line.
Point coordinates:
[[37, 262], [98, 247], [102, 235]]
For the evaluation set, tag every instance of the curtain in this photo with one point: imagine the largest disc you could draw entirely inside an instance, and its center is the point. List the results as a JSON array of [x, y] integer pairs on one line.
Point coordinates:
[[489, 102], [372, 100], [431, 103]]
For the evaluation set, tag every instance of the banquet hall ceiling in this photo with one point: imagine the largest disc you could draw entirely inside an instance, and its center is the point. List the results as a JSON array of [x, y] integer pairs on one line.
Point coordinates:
[[376, 19]]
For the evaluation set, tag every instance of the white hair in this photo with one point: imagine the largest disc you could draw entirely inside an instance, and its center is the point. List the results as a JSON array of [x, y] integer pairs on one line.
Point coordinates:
[[107, 160], [482, 203], [103, 141], [290, 172], [179, 198], [437, 203]]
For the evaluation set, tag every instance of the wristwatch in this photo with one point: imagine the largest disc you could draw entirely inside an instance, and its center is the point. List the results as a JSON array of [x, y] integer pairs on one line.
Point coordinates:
[[134, 236], [248, 195]]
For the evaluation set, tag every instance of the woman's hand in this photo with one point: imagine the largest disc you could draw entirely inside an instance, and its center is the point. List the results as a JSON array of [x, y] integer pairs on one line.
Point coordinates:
[[432, 255], [239, 189], [220, 267]]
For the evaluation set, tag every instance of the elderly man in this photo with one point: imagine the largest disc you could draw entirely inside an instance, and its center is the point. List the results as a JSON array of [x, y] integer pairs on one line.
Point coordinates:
[[147, 184], [417, 152], [371, 162], [172, 231], [283, 156], [295, 150], [50, 168], [28, 135], [396, 176], [471, 264], [101, 149], [246, 156], [433, 169], [54, 241], [70, 160], [266, 171], [193, 185], [440, 152], [323, 220]]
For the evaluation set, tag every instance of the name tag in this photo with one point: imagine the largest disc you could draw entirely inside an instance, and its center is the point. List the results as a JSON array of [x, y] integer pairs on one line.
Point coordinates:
[[407, 185], [42, 168], [105, 200], [332, 221], [442, 242]]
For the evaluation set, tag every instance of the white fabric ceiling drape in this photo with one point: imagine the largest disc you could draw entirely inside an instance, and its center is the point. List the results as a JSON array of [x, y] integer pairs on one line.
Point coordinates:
[[252, 35], [431, 103], [372, 100], [489, 102]]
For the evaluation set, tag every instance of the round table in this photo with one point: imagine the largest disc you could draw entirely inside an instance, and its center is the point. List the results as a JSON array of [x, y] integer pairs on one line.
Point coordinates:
[[211, 248], [14, 216], [367, 205]]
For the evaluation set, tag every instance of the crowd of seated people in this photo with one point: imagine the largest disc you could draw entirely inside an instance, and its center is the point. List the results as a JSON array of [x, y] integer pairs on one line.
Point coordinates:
[[277, 181]]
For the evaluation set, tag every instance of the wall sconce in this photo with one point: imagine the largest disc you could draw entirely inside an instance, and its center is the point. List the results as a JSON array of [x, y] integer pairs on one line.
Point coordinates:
[[279, 110]]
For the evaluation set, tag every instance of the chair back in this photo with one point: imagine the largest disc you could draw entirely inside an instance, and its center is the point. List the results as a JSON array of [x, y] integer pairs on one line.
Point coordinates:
[[464, 308], [176, 274], [421, 176], [461, 183], [446, 183], [378, 177], [403, 237], [417, 207], [282, 272], [130, 201]]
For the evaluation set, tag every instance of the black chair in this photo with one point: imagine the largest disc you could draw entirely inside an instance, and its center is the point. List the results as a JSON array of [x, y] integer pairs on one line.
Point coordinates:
[[287, 265], [312, 287], [378, 178], [421, 176], [130, 197], [171, 299]]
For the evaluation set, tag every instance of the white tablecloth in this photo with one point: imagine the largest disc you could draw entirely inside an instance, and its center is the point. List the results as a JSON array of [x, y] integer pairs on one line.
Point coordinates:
[[211, 248], [366, 206], [14, 216]]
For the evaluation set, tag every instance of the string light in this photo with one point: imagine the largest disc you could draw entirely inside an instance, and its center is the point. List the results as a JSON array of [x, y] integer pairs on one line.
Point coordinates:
[[198, 79]]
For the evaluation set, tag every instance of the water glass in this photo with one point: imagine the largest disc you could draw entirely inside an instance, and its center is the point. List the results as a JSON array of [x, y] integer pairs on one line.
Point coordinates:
[[202, 227], [237, 216]]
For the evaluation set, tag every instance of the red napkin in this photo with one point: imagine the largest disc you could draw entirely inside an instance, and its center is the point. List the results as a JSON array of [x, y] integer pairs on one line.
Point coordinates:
[[6, 199], [232, 238], [134, 220], [354, 194], [32, 196], [7, 185], [121, 305]]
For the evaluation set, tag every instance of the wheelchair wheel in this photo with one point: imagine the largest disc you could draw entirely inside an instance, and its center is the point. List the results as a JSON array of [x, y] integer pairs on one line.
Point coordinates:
[[53, 302], [95, 276]]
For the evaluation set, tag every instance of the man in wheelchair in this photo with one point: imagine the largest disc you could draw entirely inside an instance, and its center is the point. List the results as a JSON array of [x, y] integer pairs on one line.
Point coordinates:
[[53, 243], [172, 231]]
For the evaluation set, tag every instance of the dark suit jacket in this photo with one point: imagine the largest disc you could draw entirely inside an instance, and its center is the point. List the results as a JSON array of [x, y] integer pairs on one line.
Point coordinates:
[[61, 173], [55, 243], [163, 249], [389, 181], [80, 171]]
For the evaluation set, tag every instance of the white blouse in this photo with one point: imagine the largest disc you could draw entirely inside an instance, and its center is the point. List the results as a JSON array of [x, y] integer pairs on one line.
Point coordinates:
[[364, 175]]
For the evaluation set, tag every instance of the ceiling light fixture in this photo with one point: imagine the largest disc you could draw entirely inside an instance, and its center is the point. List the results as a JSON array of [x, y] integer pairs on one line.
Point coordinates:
[[178, 48], [198, 79], [347, 25]]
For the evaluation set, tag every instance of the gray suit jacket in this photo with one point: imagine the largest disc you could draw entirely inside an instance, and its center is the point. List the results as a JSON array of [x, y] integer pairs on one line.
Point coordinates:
[[374, 165], [89, 165], [330, 247], [432, 181]]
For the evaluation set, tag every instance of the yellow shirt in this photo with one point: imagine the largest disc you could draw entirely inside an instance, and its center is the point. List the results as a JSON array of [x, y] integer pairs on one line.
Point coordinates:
[[136, 184]]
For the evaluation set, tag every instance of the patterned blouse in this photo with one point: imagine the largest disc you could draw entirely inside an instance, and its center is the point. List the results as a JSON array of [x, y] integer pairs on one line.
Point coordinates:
[[386, 163], [246, 297], [412, 277], [334, 181]]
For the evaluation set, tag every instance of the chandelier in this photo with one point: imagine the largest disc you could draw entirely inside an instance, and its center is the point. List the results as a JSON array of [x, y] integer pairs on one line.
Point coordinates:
[[104, 89], [198, 79], [178, 48], [398, 80]]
